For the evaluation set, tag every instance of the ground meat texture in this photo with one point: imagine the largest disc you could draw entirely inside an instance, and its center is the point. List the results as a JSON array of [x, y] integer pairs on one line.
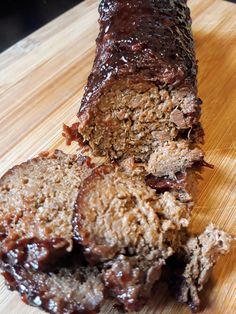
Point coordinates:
[[36, 206], [142, 88], [173, 157], [191, 267], [123, 223], [117, 213], [69, 290]]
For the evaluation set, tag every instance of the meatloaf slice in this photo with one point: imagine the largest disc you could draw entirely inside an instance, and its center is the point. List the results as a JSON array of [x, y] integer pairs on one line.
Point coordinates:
[[191, 267], [142, 90], [36, 206], [68, 290], [117, 213], [125, 224]]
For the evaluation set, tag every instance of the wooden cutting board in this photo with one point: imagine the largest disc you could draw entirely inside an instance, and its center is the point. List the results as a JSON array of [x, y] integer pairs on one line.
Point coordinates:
[[41, 84]]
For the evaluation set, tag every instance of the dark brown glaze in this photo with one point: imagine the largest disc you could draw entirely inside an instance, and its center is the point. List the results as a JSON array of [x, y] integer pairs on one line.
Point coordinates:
[[93, 252], [125, 284], [130, 281], [144, 40], [34, 253], [71, 134], [203, 163], [85, 160], [165, 183], [35, 292]]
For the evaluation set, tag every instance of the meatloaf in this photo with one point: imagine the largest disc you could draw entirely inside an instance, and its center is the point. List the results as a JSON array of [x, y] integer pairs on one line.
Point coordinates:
[[73, 290], [191, 267], [127, 226], [173, 157], [142, 91], [36, 206]]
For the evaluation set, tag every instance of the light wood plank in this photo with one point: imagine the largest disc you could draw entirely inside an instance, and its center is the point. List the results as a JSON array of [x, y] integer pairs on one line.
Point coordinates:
[[41, 85]]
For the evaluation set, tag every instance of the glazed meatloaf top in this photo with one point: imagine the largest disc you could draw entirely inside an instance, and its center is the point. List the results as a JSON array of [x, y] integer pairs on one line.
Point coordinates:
[[142, 90], [147, 40], [36, 205], [116, 212], [72, 290]]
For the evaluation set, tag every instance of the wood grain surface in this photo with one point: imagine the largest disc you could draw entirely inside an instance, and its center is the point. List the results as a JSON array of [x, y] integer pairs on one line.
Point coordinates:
[[41, 84]]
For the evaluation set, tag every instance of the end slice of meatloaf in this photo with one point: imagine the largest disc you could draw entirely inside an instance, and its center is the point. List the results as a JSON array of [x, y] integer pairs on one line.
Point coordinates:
[[125, 224], [142, 90], [191, 268], [69, 290], [36, 206]]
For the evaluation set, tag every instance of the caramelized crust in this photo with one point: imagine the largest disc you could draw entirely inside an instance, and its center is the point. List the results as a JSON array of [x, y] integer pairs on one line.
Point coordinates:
[[144, 40], [142, 88], [128, 227], [72, 290]]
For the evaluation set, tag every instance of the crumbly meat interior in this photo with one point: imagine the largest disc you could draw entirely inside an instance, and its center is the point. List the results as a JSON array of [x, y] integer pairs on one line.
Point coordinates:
[[131, 229], [36, 202], [173, 157], [192, 266], [68, 290], [118, 213], [134, 119], [124, 226]]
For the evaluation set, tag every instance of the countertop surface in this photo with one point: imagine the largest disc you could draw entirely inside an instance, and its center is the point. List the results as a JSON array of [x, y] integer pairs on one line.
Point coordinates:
[[41, 85]]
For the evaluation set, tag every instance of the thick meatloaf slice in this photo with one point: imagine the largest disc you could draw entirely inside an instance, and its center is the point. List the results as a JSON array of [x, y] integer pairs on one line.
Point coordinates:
[[142, 90], [69, 290], [191, 268], [36, 206], [125, 224], [116, 212]]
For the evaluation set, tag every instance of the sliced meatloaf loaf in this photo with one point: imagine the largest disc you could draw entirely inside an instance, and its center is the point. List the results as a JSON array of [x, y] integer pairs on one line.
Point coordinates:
[[71, 290], [191, 267], [142, 90], [125, 224], [36, 206]]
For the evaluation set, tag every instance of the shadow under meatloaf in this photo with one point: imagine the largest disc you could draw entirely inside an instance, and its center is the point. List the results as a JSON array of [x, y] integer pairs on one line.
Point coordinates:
[[75, 289], [190, 268], [142, 90], [131, 229], [36, 206]]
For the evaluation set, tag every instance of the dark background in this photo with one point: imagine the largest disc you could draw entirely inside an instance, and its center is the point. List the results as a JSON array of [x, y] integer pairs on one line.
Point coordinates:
[[19, 18]]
